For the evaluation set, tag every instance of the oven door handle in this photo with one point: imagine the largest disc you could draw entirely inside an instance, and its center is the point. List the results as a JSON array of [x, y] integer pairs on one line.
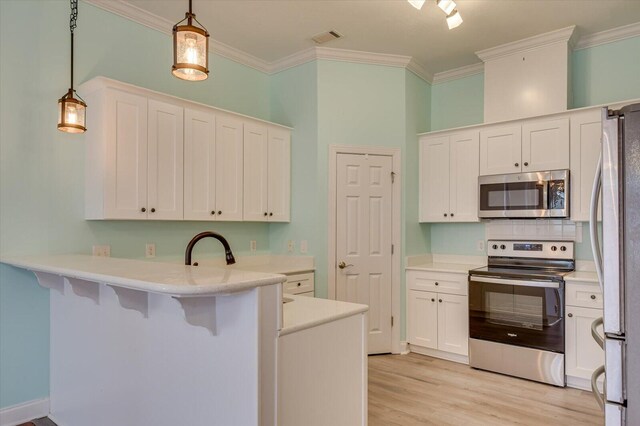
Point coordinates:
[[522, 283]]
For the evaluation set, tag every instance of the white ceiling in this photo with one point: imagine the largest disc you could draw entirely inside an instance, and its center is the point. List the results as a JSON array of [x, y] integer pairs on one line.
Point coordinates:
[[273, 29]]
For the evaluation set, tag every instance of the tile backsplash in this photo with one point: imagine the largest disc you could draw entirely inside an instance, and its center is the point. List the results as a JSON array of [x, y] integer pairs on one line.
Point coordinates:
[[541, 229]]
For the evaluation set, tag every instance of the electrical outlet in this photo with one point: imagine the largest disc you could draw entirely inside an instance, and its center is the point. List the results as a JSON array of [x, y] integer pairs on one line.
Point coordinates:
[[291, 246], [252, 246], [303, 246], [480, 245], [102, 251], [150, 250]]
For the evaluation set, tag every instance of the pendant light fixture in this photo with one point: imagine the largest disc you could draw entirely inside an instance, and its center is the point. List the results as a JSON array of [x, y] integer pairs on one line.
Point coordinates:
[[71, 107], [190, 49]]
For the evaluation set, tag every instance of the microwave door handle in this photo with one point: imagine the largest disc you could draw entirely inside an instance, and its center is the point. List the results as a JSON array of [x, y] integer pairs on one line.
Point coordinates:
[[515, 282], [545, 196]]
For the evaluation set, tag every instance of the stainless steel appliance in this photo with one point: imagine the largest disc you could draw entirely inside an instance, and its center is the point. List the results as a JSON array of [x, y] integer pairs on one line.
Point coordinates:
[[516, 309], [524, 195], [618, 264]]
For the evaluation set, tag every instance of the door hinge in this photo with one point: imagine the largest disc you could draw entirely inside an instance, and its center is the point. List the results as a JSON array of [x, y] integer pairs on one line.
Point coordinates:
[[392, 248], [391, 321], [393, 177]]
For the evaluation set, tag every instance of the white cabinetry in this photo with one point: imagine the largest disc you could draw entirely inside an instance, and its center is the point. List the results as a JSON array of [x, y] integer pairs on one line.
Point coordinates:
[[299, 284], [583, 355], [267, 171], [449, 177], [532, 146], [438, 319], [586, 132], [213, 166]]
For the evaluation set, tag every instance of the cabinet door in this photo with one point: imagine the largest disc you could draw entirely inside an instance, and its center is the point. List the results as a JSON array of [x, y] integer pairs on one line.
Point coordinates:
[[126, 165], [583, 355], [255, 172], [586, 131], [165, 165], [500, 150], [279, 172], [423, 319], [545, 145], [463, 176], [453, 324], [434, 179], [199, 165], [229, 168]]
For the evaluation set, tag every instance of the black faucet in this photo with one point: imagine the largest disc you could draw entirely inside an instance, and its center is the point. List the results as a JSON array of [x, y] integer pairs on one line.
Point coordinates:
[[227, 249]]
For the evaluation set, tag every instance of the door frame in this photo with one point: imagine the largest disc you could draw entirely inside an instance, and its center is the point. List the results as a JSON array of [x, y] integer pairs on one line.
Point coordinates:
[[396, 227]]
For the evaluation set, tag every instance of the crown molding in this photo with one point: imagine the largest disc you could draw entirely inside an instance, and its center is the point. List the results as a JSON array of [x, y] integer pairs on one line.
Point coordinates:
[[564, 35], [458, 73], [420, 71], [155, 22], [608, 36], [298, 58]]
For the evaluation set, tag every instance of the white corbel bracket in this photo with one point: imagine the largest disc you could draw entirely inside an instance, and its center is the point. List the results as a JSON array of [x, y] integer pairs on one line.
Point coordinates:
[[84, 288], [51, 281], [200, 311], [132, 299]]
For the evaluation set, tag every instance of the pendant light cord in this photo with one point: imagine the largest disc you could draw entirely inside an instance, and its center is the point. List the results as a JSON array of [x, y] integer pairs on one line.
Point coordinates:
[[73, 23]]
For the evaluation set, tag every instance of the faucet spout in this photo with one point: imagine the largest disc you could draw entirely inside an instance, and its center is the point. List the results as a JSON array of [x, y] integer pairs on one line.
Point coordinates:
[[228, 254]]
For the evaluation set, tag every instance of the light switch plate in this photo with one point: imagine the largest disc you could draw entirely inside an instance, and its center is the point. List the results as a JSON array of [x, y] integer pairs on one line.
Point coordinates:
[[252, 245], [304, 246], [102, 251], [150, 250], [291, 246], [480, 245]]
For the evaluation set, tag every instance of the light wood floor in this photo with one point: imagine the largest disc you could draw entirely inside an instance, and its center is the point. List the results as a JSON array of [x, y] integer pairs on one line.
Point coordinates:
[[419, 390]]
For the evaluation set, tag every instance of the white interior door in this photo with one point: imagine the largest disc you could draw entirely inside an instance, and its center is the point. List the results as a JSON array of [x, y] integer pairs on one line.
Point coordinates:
[[363, 240]]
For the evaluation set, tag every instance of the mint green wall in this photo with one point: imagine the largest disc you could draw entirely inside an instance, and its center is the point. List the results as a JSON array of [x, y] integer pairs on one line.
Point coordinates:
[[606, 73], [457, 103], [41, 169]]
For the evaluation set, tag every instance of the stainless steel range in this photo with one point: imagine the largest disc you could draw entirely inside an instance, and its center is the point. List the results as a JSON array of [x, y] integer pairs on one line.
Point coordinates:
[[516, 309]]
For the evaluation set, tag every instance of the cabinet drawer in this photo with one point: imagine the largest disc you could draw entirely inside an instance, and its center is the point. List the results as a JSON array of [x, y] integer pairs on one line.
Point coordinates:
[[584, 295], [440, 282], [301, 283]]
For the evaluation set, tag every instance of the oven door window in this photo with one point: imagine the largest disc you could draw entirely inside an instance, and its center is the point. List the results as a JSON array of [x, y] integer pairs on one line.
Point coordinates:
[[512, 196], [518, 315]]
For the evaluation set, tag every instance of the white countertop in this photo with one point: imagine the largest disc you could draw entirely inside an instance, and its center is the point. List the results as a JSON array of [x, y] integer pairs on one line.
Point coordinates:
[[154, 277], [584, 276], [269, 263], [460, 268], [306, 312]]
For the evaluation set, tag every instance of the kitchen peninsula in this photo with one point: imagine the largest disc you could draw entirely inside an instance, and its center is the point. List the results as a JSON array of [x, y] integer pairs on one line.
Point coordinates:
[[136, 342]]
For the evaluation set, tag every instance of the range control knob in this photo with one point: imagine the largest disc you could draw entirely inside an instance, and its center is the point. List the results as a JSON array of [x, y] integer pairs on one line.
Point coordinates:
[[502, 246], [563, 248], [495, 247], [554, 248]]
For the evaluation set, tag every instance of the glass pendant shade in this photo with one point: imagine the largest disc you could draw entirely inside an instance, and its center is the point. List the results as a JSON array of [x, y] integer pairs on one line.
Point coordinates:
[[454, 20], [71, 114], [190, 53], [417, 3], [447, 6]]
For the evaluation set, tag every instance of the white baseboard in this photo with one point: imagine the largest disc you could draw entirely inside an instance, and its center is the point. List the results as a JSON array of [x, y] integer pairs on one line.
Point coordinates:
[[580, 383], [440, 354], [20, 413]]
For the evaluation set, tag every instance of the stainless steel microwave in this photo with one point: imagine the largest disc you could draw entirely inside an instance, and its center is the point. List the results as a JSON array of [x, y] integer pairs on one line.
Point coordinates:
[[524, 195]]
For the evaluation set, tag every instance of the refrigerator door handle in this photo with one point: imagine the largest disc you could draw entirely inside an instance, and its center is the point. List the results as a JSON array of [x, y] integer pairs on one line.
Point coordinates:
[[594, 386], [594, 332], [593, 221]]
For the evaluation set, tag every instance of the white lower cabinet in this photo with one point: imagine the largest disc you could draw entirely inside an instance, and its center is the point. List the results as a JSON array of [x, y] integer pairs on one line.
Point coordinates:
[[299, 284], [438, 322], [582, 353]]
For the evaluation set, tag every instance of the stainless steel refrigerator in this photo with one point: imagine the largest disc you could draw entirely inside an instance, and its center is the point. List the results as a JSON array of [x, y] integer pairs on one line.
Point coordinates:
[[617, 259]]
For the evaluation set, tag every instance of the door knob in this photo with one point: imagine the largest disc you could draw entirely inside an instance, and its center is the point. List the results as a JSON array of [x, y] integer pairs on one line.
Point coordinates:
[[343, 265]]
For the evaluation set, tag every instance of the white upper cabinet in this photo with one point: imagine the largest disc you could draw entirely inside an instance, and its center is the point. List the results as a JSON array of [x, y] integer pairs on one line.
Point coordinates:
[[449, 177], [500, 150], [165, 149], [586, 132], [267, 169], [213, 166], [545, 145]]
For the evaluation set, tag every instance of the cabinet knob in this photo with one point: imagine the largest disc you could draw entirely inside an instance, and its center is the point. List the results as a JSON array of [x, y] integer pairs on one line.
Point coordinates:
[[437, 283], [445, 215], [517, 164], [440, 300], [451, 214], [299, 284], [433, 300], [570, 315], [219, 211], [593, 297], [526, 164], [265, 213], [213, 212], [271, 214], [153, 210], [143, 210]]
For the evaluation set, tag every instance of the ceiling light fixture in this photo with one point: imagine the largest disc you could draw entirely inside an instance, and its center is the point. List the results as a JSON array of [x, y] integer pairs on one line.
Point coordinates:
[[190, 49], [71, 110], [454, 19], [417, 3], [447, 6]]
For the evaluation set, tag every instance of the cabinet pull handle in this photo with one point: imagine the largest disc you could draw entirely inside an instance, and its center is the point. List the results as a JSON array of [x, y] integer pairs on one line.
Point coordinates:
[[153, 210], [440, 300], [219, 211], [299, 284], [433, 300], [451, 214], [445, 215], [271, 214], [213, 212], [593, 297], [143, 210], [437, 283], [265, 213], [526, 164], [517, 164], [570, 315]]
